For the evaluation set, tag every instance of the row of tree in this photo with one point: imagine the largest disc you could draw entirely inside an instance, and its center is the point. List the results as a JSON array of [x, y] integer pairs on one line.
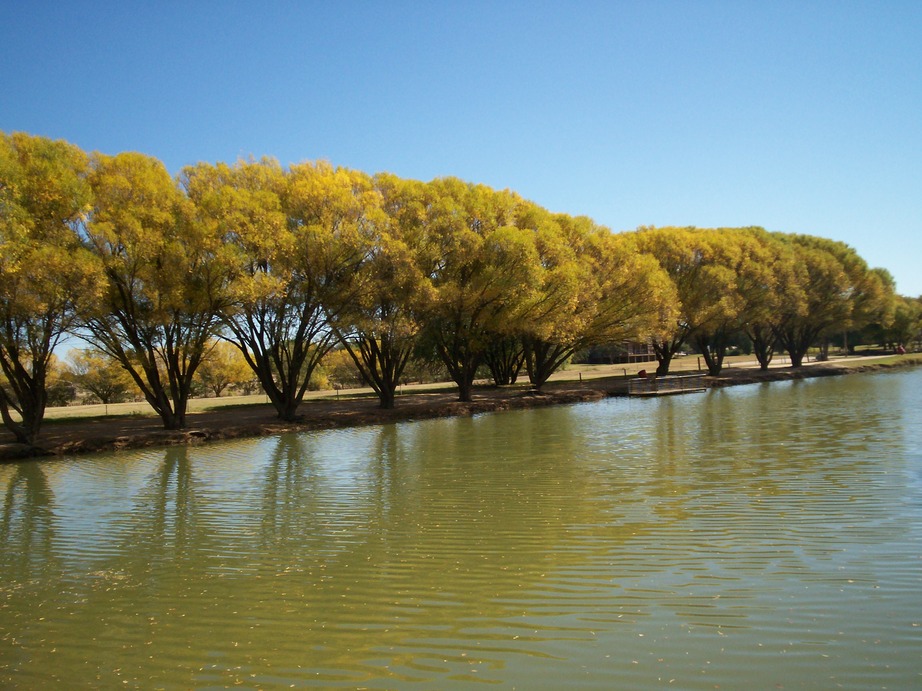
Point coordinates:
[[288, 263], [90, 376]]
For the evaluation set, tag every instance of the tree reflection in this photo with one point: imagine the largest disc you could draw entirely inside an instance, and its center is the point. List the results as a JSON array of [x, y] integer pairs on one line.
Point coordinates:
[[168, 519], [287, 492], [396, 540], [27, 526]]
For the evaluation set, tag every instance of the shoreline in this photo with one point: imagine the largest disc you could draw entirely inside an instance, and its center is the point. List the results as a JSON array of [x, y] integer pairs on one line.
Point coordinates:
[[63, 438]]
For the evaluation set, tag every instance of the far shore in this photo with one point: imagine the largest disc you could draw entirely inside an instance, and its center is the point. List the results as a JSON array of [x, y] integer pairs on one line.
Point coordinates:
[[96, 428]]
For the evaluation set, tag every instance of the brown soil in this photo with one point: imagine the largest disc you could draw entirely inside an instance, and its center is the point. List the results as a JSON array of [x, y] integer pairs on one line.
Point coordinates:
[[77, 436], [59, 437]]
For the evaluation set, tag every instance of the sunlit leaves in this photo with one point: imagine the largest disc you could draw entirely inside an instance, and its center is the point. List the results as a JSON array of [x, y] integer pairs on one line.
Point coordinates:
[[166, 275], [44, 199], [486, 277], [287, 262]]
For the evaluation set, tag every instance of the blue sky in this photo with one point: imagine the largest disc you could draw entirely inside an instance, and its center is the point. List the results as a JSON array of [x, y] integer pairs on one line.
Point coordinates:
[[800, 116]]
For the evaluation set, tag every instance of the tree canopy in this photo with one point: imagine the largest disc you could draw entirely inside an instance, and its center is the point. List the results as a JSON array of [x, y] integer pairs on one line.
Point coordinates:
[[286, 263], [164, 280], [44, 202]]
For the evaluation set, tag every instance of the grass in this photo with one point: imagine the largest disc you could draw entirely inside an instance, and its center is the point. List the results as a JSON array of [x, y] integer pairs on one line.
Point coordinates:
[[884, 360], [687, 363]]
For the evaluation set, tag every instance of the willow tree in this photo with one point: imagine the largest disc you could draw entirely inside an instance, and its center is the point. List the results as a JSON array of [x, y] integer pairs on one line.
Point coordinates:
[[44, 197], [505, 358], [96, 372], [391, 288], [906, 325], [595, 289], [739, 273], [836, 291], [699, 286], [555, 318], [768, 290], [165, 277], [223, 367], [296, 237], [484, 275]]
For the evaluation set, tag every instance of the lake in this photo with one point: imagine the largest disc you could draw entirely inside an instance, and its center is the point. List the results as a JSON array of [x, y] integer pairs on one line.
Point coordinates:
[[760, 536]]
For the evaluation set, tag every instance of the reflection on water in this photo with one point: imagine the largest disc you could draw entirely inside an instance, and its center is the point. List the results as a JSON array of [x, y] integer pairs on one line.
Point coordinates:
[[762, 536], [27, 525]]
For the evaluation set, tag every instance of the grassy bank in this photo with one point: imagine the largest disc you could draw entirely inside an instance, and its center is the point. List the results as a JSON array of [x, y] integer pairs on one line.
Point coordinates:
[[87, 429], [573, 373]]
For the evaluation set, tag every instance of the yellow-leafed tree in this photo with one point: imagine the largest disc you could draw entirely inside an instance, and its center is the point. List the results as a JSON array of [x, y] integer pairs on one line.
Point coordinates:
[[44, 199]]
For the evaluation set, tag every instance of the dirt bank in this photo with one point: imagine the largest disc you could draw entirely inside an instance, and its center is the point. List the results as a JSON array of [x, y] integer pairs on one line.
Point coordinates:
[[67, 437]]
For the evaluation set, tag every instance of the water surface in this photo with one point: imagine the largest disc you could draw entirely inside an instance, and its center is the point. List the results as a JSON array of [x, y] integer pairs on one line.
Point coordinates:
[[763, 536]]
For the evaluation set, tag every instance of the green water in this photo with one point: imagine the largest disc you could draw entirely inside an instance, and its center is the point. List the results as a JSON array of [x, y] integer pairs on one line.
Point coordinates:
[[764, 536]]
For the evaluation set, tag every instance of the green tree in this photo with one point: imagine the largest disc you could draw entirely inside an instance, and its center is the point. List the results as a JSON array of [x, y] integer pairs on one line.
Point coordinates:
[[740, 273], [906, 325], [698, 283], [44, 198], [596, 290], [340, 370], [505, 357], [61, 390], [165, 278], [767, 289]]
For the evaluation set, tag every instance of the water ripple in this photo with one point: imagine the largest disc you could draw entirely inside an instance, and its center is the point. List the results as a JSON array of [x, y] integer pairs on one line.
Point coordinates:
[[623, 544]]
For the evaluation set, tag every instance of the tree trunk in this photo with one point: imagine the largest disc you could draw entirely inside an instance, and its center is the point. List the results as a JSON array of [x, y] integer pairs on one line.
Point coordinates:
[[29, 398], [18, 431], [666, 350], [796, 341], [542, 359], [461, 358], [763, 345], [465, 389], [171, 421], [505, 358], [713, 349], [286, 405], [663, 359], [387, 398]]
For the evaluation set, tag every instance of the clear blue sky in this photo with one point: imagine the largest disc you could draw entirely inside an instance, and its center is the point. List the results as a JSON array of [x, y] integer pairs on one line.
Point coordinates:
[[797, 116]]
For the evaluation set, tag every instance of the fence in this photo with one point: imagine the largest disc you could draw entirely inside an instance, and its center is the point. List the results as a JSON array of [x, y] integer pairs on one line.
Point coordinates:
[[670, 384]]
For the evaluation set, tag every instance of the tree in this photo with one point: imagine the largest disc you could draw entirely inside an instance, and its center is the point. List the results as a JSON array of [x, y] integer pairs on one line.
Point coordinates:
[[558, 316], [296, 239], [740, 273], [906, 325], [505, 357], [767, 288], [836, 292], [61, 390], [165, 276], [44, 197], [340, 370], [222, 366], [94, 371], [391, 288], [684, 256], [485, 274], [596, 290]]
